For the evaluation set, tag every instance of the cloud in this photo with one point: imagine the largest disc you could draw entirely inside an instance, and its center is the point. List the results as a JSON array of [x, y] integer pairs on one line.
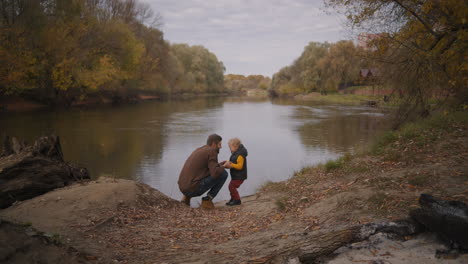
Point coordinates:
[[250, 37]]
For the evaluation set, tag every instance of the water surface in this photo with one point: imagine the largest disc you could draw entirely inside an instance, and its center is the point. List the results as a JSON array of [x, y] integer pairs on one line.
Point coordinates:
[[149, 142]]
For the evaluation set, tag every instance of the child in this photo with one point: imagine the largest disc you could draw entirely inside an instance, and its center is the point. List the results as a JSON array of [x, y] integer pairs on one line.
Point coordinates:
[[238, 166]]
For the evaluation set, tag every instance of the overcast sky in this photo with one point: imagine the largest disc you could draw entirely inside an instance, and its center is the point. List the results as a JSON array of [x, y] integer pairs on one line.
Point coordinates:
[[249, 37]]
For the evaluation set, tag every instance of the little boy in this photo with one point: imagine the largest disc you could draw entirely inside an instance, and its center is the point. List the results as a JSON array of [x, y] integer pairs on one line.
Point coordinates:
[[238, 166]]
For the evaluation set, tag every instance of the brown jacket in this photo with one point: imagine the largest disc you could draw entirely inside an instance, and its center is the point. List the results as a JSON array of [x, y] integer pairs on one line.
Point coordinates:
[[203, 162]]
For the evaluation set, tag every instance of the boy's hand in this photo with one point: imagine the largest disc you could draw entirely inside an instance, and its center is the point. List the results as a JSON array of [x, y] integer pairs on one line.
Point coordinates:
[[227, 165]]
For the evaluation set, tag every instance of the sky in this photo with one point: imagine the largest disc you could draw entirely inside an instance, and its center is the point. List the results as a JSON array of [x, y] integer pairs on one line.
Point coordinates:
[[249, 36]]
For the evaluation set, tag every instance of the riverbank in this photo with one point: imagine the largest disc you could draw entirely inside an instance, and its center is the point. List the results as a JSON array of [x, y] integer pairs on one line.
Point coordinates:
[[345, 99], [122, 221], [19, 104]]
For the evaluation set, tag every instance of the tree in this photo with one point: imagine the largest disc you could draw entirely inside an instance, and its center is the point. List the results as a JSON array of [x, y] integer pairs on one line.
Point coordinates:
[[421, 47], [204, 72], [321, 67], [340, 65], [61, 51]]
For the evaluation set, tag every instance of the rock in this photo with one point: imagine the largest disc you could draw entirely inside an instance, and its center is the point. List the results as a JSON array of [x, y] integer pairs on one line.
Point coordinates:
[[29, 171], [449, 219]]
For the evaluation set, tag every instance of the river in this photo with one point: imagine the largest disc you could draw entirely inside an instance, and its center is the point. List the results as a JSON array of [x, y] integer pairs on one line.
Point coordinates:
[[150, 141]]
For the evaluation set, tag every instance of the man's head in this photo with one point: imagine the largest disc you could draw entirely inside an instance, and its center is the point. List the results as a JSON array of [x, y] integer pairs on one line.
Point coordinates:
[[214, 140]]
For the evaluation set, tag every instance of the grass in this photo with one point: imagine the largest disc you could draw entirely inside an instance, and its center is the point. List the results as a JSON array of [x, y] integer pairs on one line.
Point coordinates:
[[356, 169], [345, 202], [419, 133], [274, 186], [26, 224], [420, 180], [383, 183], [54, 238], [338, 163], [281, 204], [378, 201], [385, 140], [333, 165]]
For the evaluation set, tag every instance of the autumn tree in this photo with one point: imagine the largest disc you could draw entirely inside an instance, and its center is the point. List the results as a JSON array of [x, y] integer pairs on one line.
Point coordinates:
[[62, 51], [340, 65], [421, 47], [203, 71], [240, 84]]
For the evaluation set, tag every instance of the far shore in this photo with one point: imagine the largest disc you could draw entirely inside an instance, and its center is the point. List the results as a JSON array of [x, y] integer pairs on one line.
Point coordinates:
[[18, 104]]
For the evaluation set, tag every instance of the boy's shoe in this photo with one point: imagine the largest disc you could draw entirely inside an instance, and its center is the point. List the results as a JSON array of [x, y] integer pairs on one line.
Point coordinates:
[[186, 200], [229, 202], [234, 202], [207, 198]]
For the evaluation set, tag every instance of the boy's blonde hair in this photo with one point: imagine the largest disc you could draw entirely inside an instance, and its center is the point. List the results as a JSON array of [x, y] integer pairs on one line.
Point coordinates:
[[235, 142]]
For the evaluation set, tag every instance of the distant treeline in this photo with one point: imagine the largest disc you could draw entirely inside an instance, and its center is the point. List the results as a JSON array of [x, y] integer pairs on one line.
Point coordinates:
[[240, 84], [322, 67], [61, 51]]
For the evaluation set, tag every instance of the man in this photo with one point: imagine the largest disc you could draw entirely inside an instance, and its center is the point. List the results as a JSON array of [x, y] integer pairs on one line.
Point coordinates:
[[202, 172]]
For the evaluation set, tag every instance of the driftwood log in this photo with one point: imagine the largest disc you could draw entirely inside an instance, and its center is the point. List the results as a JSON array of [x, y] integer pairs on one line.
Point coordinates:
[[319, 245], [448, 219], [29, 171]]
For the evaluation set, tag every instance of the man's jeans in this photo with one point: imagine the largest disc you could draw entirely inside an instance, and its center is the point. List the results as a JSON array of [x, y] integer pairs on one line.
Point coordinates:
[[209, 183]]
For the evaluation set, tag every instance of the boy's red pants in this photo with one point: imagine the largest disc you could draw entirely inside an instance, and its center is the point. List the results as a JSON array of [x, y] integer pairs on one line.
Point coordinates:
[[233, 185]]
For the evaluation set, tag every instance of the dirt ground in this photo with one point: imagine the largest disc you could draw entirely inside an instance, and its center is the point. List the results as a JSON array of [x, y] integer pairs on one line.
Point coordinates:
[[23, 244], [121, 221]]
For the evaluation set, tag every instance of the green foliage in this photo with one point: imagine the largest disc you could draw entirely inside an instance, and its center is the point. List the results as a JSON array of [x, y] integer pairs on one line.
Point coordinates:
[[383, 141], [204, 73], [339, 163], [333, 165], [321, 67]]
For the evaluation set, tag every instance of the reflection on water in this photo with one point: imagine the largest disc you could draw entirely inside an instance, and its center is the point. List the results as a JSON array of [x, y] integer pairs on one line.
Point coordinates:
[[149, 142]]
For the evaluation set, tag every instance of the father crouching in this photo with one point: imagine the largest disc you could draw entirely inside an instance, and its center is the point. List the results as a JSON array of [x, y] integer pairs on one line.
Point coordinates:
[[202, 172]]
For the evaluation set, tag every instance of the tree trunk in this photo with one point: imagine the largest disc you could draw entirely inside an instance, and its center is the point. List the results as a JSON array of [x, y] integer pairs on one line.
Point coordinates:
[[29, 171]]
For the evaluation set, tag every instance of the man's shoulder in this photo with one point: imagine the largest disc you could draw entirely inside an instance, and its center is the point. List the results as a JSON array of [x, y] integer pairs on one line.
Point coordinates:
[[202, 149]]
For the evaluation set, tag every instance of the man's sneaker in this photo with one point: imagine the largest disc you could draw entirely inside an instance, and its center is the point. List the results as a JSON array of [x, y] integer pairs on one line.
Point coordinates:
[[207, 198], [234, 202]]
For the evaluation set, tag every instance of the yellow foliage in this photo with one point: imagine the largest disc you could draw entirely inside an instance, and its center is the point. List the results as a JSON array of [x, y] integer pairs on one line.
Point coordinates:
[[62, 76], [104, 71]]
